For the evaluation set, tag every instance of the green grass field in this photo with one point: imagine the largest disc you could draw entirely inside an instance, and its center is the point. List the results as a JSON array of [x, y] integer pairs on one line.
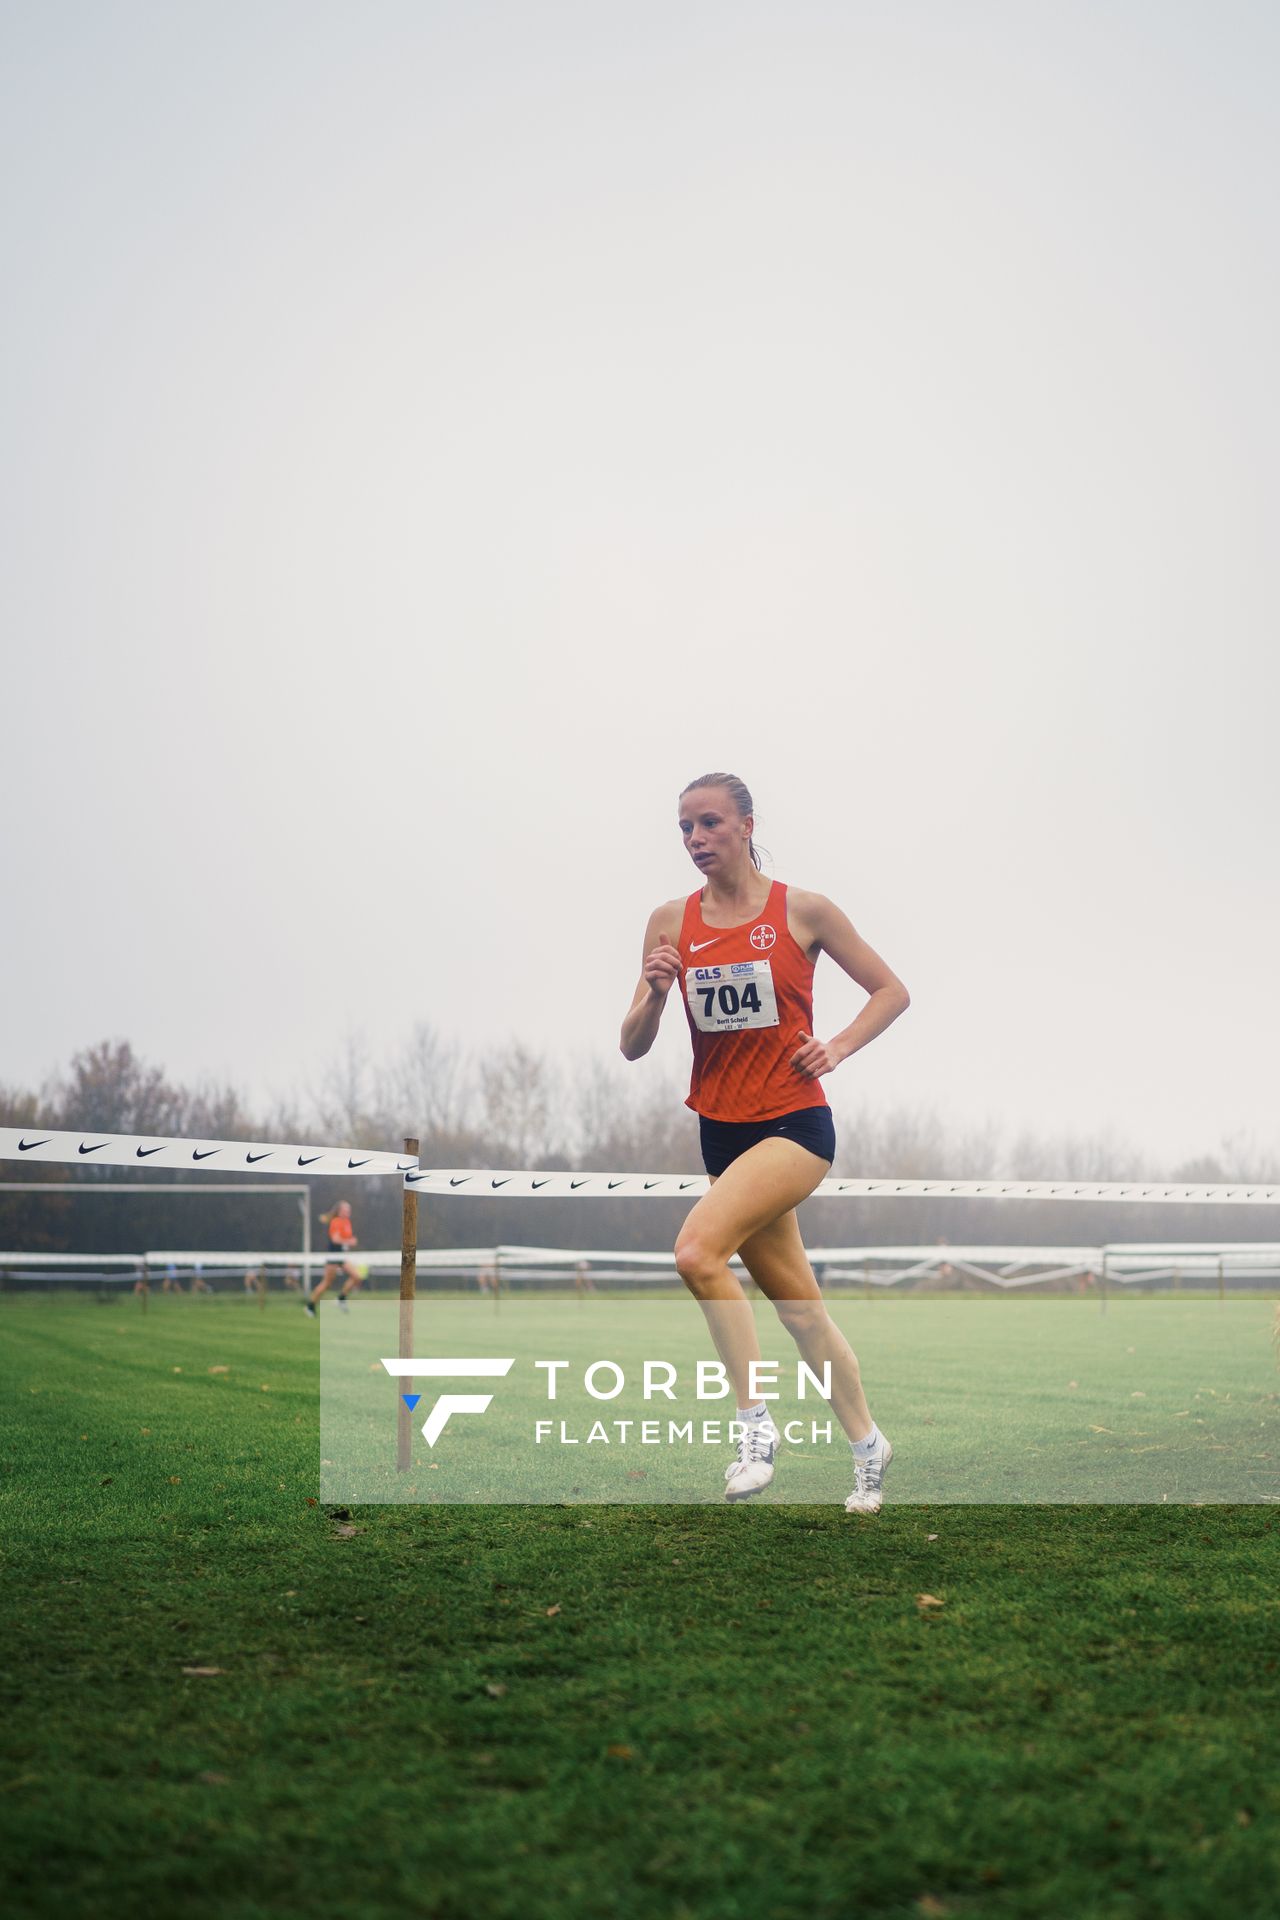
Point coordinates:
[[223, 1697]]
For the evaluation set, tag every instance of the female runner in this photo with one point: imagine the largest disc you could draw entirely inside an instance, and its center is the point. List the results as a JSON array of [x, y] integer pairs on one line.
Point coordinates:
[[745, 949]]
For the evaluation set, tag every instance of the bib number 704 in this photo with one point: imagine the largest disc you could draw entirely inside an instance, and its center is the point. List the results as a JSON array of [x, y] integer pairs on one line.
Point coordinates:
[[728, 999]]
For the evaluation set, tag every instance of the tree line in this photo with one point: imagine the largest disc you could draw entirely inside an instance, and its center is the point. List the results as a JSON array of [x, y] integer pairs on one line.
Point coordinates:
[[521, 1108]]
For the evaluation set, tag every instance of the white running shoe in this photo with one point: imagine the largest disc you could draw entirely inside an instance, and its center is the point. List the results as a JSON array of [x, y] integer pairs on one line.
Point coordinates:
[[752, 1471], [868, 1480]]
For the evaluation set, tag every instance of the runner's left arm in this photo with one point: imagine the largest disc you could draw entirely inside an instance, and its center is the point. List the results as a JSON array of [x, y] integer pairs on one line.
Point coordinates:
[[837, 935]]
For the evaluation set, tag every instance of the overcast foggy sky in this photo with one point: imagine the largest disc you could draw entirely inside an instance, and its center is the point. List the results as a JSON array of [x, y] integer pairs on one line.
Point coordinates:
[[434, 434]]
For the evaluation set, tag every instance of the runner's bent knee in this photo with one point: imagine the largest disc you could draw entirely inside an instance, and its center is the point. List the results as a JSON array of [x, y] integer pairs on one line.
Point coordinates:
[[699, 1259], [802, 1316]]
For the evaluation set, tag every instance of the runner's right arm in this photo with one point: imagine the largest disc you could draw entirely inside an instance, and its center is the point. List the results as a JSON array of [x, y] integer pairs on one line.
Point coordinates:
[[660, 969]]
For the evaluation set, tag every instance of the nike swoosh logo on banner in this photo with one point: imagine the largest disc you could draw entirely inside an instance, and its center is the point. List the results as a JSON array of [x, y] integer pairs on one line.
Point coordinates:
[[253, 1158], [25, 1146], [98, 1149], [696, 946], [499, 1183], [357, 1163], [144, 1153], [651, 1183], [462, 1182], [539, 1183], [206, 1155], [575, 1184], [684, 1184], [309, 1160], [616, 1183]]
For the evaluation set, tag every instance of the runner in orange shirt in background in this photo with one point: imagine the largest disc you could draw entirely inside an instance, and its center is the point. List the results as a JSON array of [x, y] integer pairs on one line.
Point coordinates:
[[342, 1243]]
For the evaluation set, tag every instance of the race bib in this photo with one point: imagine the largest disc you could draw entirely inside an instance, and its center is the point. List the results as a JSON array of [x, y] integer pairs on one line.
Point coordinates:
[[726, 999]]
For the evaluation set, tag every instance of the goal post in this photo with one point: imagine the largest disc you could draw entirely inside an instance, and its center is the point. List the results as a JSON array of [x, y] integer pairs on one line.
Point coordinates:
[[298, 1191]]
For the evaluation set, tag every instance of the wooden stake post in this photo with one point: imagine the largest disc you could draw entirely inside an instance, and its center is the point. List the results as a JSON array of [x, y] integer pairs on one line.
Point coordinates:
[[408, 1293]]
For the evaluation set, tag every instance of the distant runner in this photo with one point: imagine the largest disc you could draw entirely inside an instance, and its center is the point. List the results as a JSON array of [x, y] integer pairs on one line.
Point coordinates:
[[342, 1243]]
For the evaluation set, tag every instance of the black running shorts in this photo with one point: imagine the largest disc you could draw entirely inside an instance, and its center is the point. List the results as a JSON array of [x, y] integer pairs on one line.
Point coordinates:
[[810, 1127]]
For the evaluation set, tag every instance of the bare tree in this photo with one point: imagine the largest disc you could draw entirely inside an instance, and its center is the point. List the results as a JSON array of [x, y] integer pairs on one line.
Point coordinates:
[[109, 1087], [426, 1084], [630, 1123], [1065, 1156], [521, 1106], [343, 1101]]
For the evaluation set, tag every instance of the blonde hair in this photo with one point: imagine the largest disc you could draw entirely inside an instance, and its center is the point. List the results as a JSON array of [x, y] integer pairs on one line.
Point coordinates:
[[737, 792]]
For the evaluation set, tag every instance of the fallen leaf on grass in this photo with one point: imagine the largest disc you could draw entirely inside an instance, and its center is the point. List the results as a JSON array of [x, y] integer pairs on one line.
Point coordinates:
[[495, 1689], [312, 1501], [214, 1779], [931, 1536], [620, 1753], [175, 1479], [552, 1610], [1137, 1396], [203, 1673], [926, 1600], [219, 1370], [930, 1903], [348, 1532], [1100, 1429]]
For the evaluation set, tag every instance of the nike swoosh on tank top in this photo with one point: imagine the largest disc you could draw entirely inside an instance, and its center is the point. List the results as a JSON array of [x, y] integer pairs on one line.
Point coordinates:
[[748, 997]]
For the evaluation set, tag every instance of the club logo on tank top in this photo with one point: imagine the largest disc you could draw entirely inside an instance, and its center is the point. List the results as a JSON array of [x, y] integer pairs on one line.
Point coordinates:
[[762, 938]]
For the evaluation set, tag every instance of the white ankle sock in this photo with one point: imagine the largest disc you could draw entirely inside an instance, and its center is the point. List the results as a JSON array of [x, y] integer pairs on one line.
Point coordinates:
[[754, 1413], [873, 1440]]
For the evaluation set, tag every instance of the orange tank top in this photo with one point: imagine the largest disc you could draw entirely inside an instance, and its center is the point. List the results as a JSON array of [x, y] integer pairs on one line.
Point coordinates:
[[748, 997]]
